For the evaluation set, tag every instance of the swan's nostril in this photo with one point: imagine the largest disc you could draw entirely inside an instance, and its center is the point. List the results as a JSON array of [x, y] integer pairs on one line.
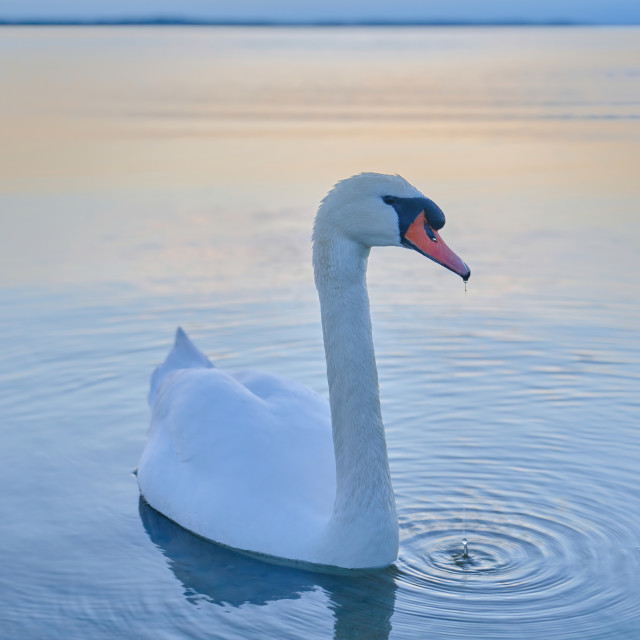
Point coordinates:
[[429, 231]]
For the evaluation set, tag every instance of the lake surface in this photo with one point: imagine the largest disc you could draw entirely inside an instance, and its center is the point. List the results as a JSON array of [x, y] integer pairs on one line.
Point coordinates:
[[156, 177]]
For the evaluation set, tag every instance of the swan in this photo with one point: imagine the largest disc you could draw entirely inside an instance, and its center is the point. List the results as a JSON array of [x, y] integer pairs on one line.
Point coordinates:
[[265, 465]]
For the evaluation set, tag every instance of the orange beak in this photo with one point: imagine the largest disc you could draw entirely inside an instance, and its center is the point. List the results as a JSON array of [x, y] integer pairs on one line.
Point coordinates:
[[426, 240]]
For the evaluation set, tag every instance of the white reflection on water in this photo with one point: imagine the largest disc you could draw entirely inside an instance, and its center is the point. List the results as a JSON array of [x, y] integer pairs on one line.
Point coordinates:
[[158, 177]]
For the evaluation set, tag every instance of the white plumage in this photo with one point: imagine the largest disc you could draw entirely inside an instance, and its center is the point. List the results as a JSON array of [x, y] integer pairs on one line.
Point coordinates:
[[263, 464]]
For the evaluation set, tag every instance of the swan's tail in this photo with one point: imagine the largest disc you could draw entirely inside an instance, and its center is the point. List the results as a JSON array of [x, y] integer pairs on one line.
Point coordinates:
[[183, 355]]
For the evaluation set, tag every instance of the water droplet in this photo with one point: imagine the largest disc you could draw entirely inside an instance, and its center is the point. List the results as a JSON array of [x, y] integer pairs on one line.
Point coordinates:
[[465, 286], [465, 552]]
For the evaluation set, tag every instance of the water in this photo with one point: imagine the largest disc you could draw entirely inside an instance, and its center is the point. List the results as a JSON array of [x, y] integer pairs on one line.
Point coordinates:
[[156, 177]]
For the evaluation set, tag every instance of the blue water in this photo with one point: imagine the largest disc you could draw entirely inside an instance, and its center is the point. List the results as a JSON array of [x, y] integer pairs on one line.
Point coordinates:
[[512, 411]]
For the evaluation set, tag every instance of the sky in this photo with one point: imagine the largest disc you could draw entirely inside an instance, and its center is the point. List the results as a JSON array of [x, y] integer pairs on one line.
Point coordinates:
[[589, 11]]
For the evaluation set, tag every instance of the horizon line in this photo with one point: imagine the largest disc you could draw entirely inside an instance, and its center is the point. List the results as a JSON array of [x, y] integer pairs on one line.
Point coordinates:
[[186, 22]]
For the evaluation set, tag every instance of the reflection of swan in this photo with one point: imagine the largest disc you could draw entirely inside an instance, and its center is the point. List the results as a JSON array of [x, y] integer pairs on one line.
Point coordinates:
[[248, 460], [362, 603]]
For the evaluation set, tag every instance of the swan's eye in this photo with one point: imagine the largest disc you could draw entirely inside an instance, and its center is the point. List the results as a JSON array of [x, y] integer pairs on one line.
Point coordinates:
[[388, 199]]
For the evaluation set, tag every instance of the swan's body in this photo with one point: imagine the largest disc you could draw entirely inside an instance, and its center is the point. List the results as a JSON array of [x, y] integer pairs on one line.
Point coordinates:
[[263, 464]]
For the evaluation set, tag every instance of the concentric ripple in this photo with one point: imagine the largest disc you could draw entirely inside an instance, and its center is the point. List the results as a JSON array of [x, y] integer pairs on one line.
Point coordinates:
[[542, 568]]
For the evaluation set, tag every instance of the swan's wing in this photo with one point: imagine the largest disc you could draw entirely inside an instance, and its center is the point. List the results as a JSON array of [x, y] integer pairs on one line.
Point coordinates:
[[239, 458], [183, 355]]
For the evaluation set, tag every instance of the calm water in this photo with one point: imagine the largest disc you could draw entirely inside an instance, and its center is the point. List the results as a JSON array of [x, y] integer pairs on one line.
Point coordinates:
[[156, 177]]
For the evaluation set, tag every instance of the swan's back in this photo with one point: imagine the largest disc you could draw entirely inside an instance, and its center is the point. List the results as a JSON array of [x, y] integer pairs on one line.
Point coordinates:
[[245, 459]]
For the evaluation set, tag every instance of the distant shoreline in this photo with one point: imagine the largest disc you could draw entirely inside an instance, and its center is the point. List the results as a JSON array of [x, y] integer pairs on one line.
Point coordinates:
[[194, 22]]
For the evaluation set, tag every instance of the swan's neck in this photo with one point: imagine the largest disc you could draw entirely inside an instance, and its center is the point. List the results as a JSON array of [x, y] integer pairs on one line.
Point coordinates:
[[364, 507]]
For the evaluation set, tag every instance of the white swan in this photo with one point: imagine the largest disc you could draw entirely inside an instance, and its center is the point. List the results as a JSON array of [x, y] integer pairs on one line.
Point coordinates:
[[261, 463]]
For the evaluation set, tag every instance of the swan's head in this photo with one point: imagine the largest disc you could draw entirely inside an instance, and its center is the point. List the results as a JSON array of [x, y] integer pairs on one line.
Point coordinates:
[[377, 210]]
